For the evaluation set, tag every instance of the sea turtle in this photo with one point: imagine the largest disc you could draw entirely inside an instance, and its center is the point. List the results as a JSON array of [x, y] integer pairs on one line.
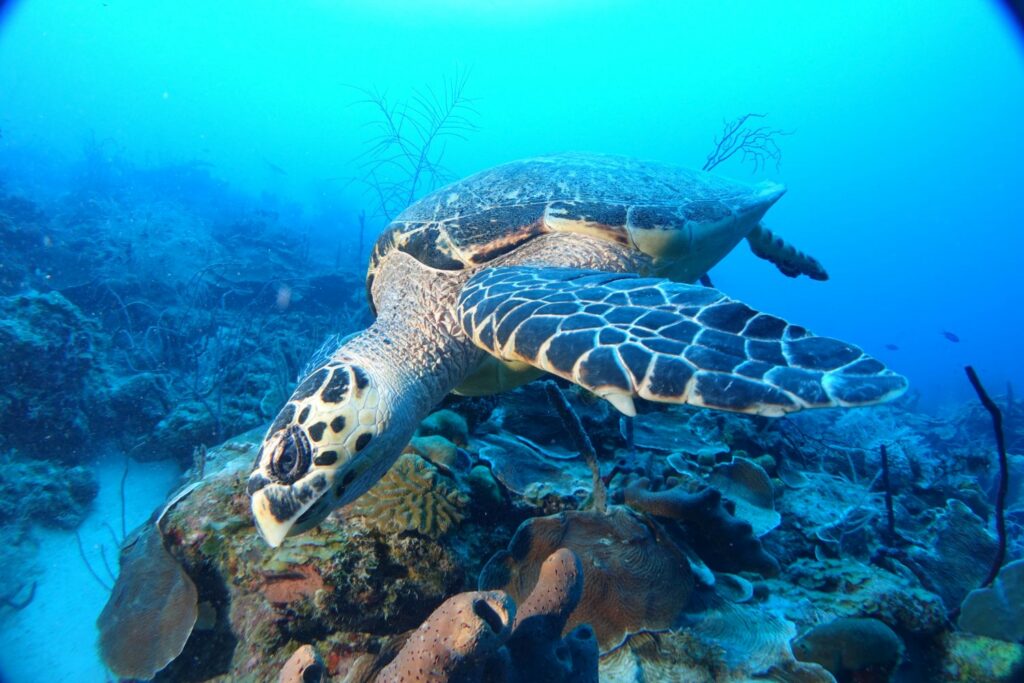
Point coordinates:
[[573, 264]]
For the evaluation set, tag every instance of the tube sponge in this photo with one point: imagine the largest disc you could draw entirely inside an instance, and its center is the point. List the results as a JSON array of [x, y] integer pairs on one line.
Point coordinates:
[[458, 636]]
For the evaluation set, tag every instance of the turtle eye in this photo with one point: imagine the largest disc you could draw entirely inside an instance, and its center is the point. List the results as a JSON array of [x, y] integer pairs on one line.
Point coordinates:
[[292, 458]]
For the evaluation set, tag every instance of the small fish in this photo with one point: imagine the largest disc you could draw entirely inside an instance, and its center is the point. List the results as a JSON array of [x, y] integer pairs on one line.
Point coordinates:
[[274, 167], [950, 336], [892, 347]]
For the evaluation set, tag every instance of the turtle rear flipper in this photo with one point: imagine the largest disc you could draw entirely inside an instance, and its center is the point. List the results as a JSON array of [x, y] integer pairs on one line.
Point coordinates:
[[787, 258], [620, 335]]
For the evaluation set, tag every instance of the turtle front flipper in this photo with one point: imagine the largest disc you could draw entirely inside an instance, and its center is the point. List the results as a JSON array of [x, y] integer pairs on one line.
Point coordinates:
[[787, 258], [620, 335]]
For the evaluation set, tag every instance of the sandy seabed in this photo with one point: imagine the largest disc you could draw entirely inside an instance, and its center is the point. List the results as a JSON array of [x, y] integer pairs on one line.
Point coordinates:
[[54, 638]]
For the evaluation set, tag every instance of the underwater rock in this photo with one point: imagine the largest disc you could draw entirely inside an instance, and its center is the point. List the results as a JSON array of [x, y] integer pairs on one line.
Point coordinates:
[[304, 666], [482, 636], [998, 610], [151, 611], [636, 579], [445, 423], [750, 489], [52, 380], [722, 541], [852, 649], [412, 496]]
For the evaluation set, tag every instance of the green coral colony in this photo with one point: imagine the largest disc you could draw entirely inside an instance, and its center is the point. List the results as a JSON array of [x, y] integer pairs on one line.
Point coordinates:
[[574, 265]]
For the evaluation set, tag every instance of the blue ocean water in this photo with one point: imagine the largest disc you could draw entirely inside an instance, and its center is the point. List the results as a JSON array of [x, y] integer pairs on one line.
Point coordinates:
[[902, 166], [899, 126]]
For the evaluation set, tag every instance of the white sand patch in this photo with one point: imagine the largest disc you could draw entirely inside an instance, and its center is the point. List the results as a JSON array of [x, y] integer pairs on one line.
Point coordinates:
[[54, 638]]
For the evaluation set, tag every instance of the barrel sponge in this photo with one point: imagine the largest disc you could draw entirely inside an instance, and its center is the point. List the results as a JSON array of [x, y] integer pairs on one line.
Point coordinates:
[[557, 591], [304, 666], [636, 579], [458, 636]]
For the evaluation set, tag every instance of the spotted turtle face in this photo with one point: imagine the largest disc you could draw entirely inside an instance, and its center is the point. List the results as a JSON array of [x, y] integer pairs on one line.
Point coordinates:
[[319, 453]]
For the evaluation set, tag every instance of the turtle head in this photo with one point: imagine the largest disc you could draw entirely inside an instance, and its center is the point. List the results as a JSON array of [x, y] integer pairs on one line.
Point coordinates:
[[322, 451]]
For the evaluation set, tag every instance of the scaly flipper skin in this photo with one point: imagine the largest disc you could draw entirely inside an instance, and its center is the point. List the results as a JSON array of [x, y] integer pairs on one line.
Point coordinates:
[[788, 259], [621, 335]]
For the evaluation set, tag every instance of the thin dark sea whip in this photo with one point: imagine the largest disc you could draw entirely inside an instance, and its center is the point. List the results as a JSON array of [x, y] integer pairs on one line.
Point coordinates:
[[1004, 474], [890, 517], [579, 435]]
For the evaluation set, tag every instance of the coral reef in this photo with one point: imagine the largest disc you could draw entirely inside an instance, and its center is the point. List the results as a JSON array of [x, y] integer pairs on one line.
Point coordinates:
[[437, 449], [45, 493], [808, 589], [412, 496], [52, 380], [537, 478], [729, 644]]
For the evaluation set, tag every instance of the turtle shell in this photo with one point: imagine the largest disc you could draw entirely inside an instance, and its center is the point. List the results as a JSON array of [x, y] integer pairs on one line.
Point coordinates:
[[650, 206]]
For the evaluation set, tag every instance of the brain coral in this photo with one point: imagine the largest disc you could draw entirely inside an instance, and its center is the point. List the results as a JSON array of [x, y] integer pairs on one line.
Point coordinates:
[[412, 496]]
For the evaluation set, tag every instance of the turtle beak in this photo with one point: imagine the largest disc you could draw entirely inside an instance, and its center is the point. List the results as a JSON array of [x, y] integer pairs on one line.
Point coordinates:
[[284, 510]]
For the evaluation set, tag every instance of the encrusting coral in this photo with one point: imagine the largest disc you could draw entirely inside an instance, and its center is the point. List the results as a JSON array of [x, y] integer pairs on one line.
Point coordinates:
[[412, 496], [482, 636]]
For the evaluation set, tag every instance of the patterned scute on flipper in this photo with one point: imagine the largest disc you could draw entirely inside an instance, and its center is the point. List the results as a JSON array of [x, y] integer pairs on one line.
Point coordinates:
[[616, 333]]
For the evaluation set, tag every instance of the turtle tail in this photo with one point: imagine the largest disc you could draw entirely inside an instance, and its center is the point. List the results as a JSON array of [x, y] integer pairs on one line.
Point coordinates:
[[787, 258]]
